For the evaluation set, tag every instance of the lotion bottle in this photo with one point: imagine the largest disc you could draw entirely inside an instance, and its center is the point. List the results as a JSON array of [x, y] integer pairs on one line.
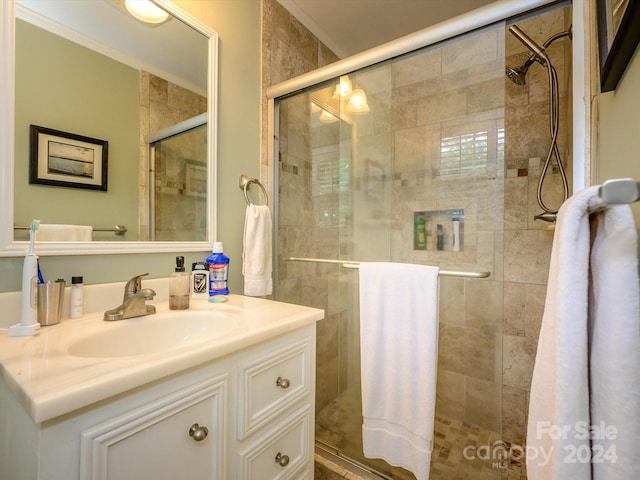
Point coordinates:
[[76, 298]]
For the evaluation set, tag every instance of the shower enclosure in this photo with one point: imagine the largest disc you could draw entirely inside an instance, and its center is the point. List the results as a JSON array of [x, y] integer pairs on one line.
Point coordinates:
[[178, 181], [392, 162]]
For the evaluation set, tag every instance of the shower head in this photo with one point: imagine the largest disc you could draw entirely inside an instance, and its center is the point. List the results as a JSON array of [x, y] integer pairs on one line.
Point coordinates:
[[517, 74]]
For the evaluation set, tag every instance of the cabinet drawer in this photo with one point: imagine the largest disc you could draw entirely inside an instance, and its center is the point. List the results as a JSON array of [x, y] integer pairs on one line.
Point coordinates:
[[281, 452], [272, 383], [180, 435]]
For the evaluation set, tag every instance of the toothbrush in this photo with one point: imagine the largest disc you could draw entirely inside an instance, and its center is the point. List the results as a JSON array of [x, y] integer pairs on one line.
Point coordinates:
[[29, 315]]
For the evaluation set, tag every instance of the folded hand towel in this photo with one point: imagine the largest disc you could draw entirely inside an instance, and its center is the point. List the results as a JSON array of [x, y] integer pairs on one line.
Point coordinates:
[[257, 251], [63, 233], [398, 343], [586, 367]]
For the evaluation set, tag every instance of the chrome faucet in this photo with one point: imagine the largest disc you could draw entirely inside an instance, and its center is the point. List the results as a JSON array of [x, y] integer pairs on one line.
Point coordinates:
[[134, 301]]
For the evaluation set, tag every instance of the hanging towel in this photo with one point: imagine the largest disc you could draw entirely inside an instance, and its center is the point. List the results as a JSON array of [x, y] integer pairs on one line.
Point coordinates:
[[257, 251], [63, 233], [398, 344], [585, 377]]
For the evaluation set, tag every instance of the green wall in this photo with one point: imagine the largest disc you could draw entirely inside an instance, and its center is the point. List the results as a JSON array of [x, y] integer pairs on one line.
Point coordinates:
[[618, 121], [64, 86], [237, 23]]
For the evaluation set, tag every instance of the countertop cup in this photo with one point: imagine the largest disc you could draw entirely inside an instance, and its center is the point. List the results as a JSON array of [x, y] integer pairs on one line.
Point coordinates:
[[50, 300]]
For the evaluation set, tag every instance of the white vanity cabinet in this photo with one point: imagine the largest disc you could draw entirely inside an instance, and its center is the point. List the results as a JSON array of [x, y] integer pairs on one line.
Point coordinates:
[[276, 415], [257, 406]]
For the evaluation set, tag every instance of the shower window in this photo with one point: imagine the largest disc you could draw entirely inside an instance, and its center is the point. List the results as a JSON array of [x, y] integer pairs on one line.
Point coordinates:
[[474, 153]]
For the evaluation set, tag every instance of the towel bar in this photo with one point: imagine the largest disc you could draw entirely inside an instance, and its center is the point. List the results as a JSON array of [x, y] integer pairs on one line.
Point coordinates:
[[348, 264], [119, 230], [245, 182], [620, 190]]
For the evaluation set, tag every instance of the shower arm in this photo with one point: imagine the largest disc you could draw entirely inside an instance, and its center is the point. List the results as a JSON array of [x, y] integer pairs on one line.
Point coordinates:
[[538, 51]]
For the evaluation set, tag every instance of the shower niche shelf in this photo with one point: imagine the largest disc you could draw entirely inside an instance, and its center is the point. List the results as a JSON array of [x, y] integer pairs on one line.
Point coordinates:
[[439, 230]]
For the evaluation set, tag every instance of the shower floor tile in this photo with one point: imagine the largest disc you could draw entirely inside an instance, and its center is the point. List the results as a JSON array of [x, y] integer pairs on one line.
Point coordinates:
[[461, 451]]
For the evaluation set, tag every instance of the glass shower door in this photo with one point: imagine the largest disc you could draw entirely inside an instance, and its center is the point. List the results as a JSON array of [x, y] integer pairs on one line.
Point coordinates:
[[393, 181]]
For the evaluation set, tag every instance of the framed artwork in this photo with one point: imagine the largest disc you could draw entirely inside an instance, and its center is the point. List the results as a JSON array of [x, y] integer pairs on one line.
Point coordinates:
[[618, 37], [67, 160]]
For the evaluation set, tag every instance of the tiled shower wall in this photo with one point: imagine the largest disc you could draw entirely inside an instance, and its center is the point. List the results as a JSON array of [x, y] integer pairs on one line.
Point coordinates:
[[501, 314], [527, 243], [449, 91], [162, 104]]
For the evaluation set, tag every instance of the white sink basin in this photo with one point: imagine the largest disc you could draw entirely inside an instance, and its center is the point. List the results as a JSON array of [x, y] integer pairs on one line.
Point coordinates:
[[156, 333]]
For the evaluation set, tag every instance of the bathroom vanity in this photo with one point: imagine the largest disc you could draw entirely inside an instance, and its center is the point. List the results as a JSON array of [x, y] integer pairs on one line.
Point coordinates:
[[232, 396]]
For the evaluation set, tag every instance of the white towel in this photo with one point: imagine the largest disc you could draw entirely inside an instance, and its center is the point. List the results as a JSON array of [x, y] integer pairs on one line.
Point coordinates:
[[398, 344], [257, 251], [587, 363], [51, 232]]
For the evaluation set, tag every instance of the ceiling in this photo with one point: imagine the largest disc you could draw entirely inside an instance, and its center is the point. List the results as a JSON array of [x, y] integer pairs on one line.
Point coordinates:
[[351, 26], [172, 50]]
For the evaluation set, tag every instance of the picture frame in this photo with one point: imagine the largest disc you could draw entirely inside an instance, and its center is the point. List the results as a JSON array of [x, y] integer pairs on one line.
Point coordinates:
[[618, 37], [66, 159]]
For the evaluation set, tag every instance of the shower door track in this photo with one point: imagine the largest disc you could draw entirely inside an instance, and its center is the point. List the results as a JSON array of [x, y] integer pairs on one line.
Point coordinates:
[[336, 456]]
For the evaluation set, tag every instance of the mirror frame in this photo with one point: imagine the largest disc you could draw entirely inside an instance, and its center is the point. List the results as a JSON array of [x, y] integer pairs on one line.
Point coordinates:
[[11, 248]]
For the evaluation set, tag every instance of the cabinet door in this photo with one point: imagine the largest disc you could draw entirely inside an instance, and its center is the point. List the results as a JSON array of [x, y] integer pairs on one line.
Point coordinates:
[[178, 436]]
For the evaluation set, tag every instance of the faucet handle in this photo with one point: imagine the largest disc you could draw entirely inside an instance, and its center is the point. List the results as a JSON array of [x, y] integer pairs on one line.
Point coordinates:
[[133, 286]]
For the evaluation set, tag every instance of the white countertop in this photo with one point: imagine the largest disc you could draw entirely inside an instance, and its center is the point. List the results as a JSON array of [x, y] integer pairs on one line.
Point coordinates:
[[50, 382]]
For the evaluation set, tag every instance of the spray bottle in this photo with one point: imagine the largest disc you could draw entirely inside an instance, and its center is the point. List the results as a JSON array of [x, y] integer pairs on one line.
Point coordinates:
[[29, 313]]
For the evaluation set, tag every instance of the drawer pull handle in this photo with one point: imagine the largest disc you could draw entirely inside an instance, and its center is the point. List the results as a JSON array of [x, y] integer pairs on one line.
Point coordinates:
[[283, 383], [282, 460], [198, 433]]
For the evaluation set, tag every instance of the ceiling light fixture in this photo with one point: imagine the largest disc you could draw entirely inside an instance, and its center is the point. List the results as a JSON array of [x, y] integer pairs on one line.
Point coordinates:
[[146, 11], [343, 89], [358, 102]]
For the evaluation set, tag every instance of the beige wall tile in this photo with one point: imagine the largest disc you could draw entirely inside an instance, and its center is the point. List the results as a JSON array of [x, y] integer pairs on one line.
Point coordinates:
[[526, 255], [518, 359]]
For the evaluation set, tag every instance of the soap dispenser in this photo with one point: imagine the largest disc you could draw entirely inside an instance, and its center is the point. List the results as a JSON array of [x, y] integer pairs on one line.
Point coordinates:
[[179, 287]]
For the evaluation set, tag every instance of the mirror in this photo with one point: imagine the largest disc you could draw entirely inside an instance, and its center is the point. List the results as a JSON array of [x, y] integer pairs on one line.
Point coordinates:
[[138, 91]]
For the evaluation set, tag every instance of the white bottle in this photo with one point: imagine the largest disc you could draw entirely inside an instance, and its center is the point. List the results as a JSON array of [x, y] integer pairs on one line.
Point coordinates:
[[200, 280], [76, 299], [456, 234]]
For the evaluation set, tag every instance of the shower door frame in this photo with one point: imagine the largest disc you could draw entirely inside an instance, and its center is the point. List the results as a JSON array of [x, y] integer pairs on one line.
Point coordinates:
[[480, 18], [582, 85]]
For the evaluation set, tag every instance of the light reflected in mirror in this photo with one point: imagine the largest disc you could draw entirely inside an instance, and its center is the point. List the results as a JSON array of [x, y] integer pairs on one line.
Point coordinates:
[[141, 82]]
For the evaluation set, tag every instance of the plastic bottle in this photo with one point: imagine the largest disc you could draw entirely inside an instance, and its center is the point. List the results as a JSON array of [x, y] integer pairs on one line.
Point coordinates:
[[76, 298], [439, 237], [179, 287], [199, 280], [218, 271], [456, 234], [420, 238]]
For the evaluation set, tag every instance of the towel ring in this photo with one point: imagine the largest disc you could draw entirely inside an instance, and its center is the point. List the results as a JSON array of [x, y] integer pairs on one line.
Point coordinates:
[[245, 183]]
